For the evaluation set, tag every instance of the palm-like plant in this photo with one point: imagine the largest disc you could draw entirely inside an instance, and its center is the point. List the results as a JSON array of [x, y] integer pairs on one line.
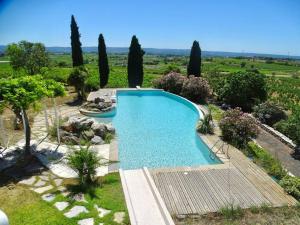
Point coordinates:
[[205, 125], [85, 162]]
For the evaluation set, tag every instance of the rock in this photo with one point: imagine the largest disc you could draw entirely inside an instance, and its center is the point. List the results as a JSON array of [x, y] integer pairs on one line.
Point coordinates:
[[86, 124], [61, 205], [75, 211], [78, 197], [87, 134], [44, 177], [89, 221], [67, 126], [98, 100], [40, 183], [110, 129], [99, 129], [119, 217], [102, 212], [58, 181], [107, 109], [48, 197], [43, 189], [96, 140], [70, 139], [28, 181]]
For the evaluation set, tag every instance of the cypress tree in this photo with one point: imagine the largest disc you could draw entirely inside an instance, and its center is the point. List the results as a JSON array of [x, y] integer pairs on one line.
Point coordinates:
[[135, 64], [76, 44], [194, 66], [102, 62]]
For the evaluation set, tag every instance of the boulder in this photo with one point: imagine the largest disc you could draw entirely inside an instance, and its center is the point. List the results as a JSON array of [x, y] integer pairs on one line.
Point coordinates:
[[96, 140], [87, 134], [70, 139], [99, 129], [110, 129], [66, 126], [98, 100], [86, 124]]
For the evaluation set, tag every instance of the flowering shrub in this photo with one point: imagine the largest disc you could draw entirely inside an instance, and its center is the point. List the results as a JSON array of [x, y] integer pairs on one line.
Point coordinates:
[[196, 89], [237, 127], [269, 113], [291, 185], [171, 82]]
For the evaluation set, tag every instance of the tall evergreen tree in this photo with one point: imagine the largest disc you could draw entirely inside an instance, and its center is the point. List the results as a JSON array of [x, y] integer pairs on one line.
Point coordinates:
[[194, 66], [76, 44], [102, 62], [135, 64]]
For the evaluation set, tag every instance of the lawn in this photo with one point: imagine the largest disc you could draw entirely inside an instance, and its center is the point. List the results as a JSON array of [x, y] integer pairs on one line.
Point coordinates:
[[23, 206]]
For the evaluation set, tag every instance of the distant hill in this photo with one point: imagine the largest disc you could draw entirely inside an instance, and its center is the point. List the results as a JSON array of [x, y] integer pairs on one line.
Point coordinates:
[[159, 51]]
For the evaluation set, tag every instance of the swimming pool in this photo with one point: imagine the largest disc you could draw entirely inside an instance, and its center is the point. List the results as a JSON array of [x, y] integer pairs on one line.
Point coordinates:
[[157, 129]]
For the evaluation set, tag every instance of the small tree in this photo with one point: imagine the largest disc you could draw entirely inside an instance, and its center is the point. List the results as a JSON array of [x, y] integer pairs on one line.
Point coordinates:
[[24, 92], [194, 66], [77, 79], [237, 127], [102, 62], [244, 89], [76, 44], [135, 64], [31, 57]]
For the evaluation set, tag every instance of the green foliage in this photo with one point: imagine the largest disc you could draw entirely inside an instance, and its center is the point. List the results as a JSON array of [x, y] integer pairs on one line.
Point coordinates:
[[194, 66], [269, 113], [266, 160], [84, 161], [244, 89], [291, 126], [76, 44], [108, 138], [92, 83], [216, 81], [237, 127], [102, 62], [216, 112], [196, 89], [231, 212], [171, 82], [291, 185], [135, 64], [77, 79], [172, 68], [205, 125], [31, 57]]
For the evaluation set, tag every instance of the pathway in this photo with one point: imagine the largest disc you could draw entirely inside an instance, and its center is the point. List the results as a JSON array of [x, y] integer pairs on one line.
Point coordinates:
[[279, 151]]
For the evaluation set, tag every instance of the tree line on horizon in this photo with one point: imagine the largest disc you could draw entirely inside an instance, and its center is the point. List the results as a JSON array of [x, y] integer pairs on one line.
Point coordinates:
[[135, 70]]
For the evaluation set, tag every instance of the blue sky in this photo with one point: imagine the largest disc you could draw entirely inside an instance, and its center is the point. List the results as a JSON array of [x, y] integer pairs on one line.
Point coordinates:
[[261, 26]]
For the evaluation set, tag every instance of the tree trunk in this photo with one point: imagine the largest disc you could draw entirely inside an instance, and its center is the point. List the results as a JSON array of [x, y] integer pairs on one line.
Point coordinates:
[[27, 133], [18, 125]]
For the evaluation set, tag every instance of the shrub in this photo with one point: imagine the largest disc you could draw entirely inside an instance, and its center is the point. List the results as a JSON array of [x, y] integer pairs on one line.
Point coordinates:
[[244, 89], [266, 160], [291, 185], [77, 79], [269, 113], [231, 212], [237, 127], [84, 161], [205, 125], [172, 82], [196, 89], [290, 127], [216, 81], [92, 83], [172, 68]]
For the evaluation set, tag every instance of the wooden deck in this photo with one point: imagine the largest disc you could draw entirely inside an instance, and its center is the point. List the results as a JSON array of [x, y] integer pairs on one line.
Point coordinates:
[[206, 189]]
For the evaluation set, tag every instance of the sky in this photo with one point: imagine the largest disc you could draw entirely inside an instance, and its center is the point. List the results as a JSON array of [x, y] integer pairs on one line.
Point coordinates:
[[258, 26]]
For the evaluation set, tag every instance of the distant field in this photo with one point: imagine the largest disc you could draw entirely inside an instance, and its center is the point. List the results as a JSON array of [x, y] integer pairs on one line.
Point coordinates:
[[284, 84]]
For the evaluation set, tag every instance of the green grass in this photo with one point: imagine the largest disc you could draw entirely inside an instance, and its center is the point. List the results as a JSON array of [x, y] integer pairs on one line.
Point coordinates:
[[216, 112], [25, 207]]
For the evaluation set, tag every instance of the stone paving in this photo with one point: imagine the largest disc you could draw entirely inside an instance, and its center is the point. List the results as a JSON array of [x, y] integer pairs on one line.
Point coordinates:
[[50, 187]]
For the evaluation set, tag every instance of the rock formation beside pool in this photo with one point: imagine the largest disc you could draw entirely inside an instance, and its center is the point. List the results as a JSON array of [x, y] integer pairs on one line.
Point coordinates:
[[99, 105], [77, 129]]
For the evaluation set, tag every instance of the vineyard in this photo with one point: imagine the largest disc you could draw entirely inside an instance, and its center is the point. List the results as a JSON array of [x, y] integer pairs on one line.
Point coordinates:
[[285, 91]]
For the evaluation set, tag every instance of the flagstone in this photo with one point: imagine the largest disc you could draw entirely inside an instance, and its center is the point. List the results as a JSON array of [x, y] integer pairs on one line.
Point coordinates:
[[43, 189], [75, 211], [28, 181], [102, 212], [89, 221], [48, 197], [119, 217], [61, 205]]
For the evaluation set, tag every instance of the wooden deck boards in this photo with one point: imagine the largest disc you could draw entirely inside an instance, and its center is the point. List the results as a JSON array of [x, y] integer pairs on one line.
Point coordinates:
[[206, 189]]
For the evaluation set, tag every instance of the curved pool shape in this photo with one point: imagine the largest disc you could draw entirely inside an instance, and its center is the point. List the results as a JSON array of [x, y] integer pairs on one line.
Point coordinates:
[[157, 129]]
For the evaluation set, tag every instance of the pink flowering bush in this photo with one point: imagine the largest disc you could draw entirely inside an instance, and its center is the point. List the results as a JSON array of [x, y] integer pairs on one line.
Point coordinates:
[[171, 82], [238, 128], [196, 89]]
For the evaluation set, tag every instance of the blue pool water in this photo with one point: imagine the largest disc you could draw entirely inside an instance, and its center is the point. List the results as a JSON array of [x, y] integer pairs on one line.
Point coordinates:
[[157, 129]]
